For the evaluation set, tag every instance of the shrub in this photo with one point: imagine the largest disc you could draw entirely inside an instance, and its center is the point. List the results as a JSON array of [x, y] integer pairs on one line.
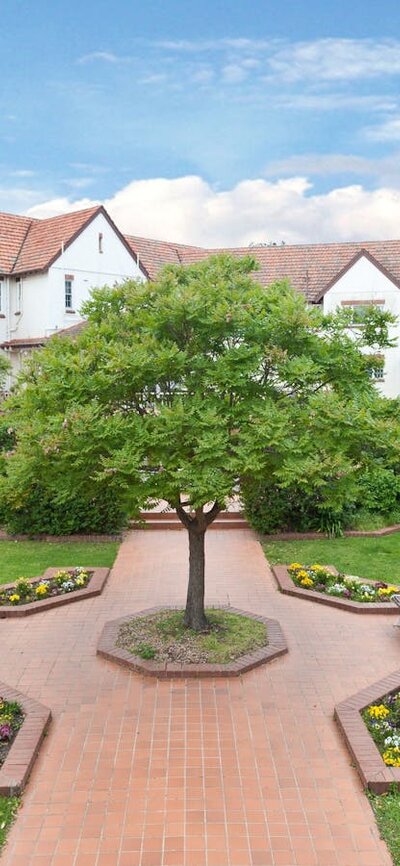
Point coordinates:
[[41, 512], [270, 508], [379, 490]]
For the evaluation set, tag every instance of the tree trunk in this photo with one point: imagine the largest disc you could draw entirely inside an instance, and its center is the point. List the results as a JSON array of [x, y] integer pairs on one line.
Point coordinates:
[[196, 526], [195, 617]]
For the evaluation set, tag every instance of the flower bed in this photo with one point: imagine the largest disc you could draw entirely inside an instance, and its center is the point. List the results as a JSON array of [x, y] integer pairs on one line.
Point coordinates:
[[361, 719], [323, 584], [28, 721], [54, 588], [11, 718], [25, 591], [319, 578], [383, 723]]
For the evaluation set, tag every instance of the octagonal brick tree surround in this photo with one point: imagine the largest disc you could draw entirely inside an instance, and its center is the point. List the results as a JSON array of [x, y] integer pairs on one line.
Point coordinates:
[[107, 648], [288, 587], [94, 587], [374, 773], [23, 751]]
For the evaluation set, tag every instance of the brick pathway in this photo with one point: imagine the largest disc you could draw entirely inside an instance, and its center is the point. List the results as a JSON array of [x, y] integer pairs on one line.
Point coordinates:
[[246, 772]]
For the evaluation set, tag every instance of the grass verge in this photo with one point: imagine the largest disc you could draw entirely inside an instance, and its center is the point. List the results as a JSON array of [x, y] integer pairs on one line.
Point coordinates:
[[8, 809], [31, 558], [387, 813], [164, 636], [375, 558]]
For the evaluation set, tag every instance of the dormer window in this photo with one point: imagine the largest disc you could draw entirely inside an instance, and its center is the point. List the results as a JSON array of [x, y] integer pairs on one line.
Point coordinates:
[[100, 242]]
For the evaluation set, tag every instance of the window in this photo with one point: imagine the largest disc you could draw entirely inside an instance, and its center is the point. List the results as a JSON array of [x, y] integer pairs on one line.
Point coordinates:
[[376, 368], [1, 295], [362, 308], [68, 291], [100, 242], [18, 296], [376, 373]]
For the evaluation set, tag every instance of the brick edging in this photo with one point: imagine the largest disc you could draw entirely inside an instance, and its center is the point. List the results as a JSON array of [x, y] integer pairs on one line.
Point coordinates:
[[317, 536], [23, 751], [373, 771], [107, 648], [288, 587], [94, 587]]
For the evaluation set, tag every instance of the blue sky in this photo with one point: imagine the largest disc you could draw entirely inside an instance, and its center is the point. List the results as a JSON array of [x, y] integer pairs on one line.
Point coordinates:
[[99, 97]]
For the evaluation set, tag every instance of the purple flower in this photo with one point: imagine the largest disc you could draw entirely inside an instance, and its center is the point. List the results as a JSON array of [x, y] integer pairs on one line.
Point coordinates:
[[5, 732]]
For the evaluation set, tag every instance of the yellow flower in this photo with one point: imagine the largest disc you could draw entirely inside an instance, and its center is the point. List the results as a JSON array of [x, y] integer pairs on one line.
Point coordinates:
[[392, 757], [42, 589], [317, 567], [378, 711], [80, 581], [14, 598], [302, 574], [307, 581], [295, 566]]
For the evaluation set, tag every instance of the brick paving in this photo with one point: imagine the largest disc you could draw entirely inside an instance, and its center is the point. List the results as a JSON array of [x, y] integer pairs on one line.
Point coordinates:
[[244, 772]]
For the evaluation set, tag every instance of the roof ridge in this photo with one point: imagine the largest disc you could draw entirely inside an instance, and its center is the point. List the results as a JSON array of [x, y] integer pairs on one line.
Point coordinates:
[[172, 244], [70, 213], [21, 247], [18, 216]]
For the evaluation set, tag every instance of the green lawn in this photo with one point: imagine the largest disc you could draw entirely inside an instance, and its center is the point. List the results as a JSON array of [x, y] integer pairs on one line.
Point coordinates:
[[387, 813], [31, 558], [8, 808], [376, 558]]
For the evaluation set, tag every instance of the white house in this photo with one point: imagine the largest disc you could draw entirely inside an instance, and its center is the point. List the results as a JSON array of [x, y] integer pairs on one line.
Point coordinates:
[[48, 267]]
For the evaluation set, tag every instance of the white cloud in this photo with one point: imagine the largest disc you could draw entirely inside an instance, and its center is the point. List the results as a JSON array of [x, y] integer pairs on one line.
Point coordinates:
[[102, 56], [337, 59], [23, 172], [388, 131], [326, 59], [332, 101], [233, 73], [189, 210], [56, 206]]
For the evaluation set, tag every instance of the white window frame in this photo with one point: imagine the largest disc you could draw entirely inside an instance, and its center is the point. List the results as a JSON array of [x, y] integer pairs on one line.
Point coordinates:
[[18, 295], [68, 293]]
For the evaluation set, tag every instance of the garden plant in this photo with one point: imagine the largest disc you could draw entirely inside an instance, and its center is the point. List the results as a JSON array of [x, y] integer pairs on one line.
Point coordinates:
[[64, 581], [320, 579], [383, 723]]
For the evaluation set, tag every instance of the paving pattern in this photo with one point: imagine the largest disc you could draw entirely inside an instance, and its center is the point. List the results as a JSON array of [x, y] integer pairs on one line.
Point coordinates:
[[243, 772]]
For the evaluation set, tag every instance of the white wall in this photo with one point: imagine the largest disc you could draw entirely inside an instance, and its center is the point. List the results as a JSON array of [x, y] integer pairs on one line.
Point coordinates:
[[90, 268], [43, 295], [365, 282]]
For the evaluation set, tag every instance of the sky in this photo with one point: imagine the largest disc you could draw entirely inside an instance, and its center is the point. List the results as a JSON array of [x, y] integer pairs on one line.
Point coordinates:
[[212, 122]]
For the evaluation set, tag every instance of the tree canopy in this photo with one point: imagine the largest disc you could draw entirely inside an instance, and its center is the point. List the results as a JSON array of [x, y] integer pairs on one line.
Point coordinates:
[[177, 389]]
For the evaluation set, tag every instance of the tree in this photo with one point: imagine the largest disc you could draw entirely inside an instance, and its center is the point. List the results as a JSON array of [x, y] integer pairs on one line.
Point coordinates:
[[177, 389]]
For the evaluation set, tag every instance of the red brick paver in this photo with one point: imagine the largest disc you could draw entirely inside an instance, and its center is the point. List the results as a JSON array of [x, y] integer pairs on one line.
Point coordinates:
[[243, 772]]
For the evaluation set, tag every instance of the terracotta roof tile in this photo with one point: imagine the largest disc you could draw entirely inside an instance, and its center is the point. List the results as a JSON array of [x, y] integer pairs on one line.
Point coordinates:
[[13, 230], [46, 238], [153, 255], [310, 268], [28, 245], [23, 343]]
